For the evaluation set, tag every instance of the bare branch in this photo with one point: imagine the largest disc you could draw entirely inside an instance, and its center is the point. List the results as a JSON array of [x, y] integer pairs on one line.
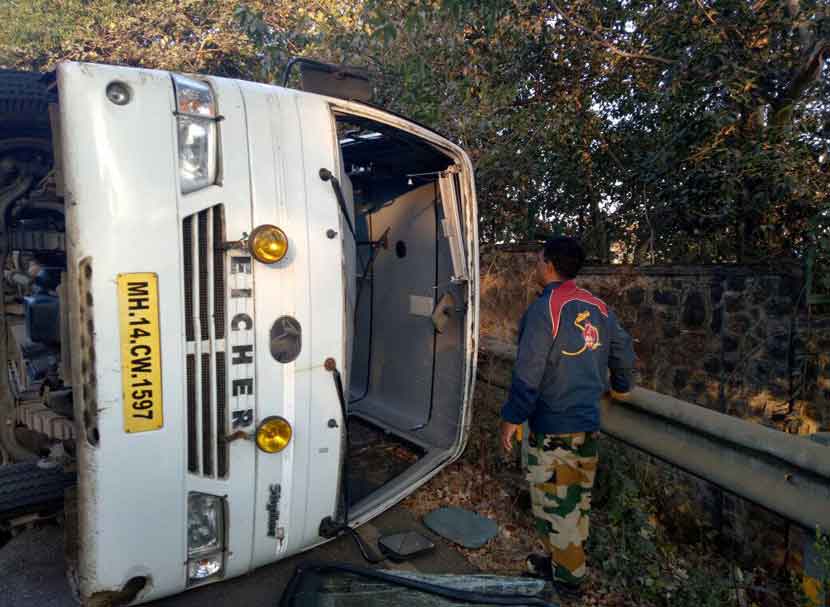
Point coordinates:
[[614, 157], [706, 12], [794, 11], [759, 5], [706, 150], [809, 72], [710, 16], [613, 48]]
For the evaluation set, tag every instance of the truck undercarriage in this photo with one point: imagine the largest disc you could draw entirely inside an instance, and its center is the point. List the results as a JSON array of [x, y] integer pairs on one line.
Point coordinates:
[[38, 429]]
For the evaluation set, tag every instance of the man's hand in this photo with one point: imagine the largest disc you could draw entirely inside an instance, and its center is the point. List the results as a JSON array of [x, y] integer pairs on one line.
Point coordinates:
[[507, 432]]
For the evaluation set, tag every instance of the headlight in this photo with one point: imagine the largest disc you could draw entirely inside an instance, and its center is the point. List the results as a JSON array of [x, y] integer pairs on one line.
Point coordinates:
[[204, 567], [205, 514], [205, 535], [273, 434], [196, 126], [268, 244]]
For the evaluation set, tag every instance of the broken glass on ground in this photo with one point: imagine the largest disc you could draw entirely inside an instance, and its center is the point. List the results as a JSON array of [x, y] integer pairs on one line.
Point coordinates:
[[335, 585]]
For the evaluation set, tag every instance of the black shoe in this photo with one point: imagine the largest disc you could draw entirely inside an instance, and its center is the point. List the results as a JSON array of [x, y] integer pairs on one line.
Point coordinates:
[[539, 566], [568, 591]]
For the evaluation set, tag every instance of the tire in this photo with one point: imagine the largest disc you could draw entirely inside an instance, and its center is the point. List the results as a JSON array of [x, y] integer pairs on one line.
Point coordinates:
[[24, 129], [24, 103], [27, 489]]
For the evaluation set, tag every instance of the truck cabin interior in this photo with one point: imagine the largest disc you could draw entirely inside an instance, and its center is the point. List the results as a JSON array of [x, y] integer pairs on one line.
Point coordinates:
[[406, 373]]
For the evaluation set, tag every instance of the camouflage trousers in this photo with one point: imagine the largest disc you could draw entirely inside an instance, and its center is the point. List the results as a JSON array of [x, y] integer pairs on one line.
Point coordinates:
[[561, 470]]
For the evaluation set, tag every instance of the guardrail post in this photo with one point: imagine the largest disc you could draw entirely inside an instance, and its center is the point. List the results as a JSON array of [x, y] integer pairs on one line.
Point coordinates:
[[815, 572]]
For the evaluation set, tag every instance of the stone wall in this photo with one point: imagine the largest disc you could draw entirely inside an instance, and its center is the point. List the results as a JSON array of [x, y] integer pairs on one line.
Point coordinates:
[[735, 339]]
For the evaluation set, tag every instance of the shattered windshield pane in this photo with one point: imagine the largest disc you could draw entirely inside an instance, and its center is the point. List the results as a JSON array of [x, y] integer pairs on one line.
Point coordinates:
[[334, 588]]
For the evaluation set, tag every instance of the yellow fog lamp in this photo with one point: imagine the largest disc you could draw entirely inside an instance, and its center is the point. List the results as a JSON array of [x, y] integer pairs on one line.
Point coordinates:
[[268, 243], [273, 434]]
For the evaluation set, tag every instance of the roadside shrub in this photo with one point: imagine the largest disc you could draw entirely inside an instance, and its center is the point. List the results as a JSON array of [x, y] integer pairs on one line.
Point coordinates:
[[631, 549]]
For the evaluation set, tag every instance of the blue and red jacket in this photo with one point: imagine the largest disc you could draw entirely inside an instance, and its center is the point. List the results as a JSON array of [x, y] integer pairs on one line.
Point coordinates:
[[571, 347]]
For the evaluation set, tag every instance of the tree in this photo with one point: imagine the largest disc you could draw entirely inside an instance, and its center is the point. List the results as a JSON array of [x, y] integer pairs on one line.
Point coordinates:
[[185, 35], [677, 131]]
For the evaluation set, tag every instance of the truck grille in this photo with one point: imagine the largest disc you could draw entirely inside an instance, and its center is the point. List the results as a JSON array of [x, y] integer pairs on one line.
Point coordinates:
[[204, 307]]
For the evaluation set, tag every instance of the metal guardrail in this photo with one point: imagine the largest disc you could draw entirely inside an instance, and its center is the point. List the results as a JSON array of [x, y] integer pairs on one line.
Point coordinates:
[[785, 473]]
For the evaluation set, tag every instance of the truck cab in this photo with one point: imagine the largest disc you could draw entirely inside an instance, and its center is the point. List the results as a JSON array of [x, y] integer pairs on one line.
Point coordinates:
[[224, 301]]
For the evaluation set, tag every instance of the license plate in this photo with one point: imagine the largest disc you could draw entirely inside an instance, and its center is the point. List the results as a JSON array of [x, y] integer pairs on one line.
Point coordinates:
[[138, 309]]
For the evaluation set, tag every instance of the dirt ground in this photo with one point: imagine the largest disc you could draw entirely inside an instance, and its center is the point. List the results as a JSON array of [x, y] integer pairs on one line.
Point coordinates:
[[375, 458]]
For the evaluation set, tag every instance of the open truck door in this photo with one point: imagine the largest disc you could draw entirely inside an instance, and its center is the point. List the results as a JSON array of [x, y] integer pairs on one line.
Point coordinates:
[[209, 286]]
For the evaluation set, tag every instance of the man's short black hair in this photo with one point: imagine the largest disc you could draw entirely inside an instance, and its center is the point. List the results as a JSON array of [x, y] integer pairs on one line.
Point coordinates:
[[566, 255]]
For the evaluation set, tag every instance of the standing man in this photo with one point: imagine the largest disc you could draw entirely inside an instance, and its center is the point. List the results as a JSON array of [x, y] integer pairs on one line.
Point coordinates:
[[568, 342]]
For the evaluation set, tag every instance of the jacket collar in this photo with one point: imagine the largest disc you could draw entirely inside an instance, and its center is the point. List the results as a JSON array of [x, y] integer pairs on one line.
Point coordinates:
[[568, 284]]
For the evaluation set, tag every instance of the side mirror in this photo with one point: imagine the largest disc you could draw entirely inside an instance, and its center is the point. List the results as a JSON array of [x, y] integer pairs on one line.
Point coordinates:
[[343, 81]]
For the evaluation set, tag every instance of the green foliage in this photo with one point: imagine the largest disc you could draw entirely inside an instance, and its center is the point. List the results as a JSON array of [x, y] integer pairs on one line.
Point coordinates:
[[822, 547], [642, 557], [657, 132], [185, 35], [679, 131], [632, 550]]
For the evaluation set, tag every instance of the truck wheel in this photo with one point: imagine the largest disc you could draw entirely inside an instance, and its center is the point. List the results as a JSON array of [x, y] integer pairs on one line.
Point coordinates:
[[26, 488], [24, 104]]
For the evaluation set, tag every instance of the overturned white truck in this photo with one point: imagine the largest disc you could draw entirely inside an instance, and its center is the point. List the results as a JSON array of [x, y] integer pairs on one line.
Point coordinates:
[[211, 289]]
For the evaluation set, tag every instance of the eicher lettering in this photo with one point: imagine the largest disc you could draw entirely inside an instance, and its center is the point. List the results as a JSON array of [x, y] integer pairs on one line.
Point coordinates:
[[242, 350]]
